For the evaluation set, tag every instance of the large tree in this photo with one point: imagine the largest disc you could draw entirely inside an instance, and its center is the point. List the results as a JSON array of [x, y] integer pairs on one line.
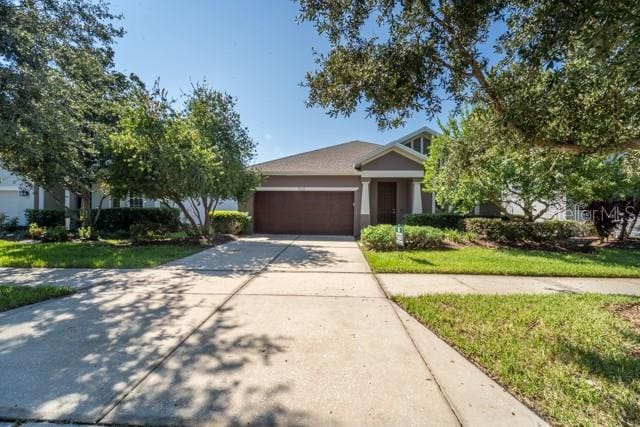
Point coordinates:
[[562, 75], [476, 161], [58, 92], [192, 158]]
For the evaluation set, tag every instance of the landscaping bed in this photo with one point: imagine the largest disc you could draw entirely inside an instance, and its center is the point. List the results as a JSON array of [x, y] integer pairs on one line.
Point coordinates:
[[117, 254], [602, 262], [574, 359], [16, 296]]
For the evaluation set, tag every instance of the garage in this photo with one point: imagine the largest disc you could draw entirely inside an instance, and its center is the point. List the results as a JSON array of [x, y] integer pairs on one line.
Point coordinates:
[[303, 212]]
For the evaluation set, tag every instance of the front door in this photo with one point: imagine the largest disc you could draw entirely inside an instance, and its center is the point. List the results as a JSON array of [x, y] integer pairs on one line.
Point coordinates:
[[386, 203]]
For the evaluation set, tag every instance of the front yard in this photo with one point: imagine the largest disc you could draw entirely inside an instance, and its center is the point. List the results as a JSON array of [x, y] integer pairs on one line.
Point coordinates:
[[16, 296], [91, 254], [575, 359], [604, 262]]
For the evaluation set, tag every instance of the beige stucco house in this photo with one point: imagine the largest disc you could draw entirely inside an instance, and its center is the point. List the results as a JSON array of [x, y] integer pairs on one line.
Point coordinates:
[[343, 188]]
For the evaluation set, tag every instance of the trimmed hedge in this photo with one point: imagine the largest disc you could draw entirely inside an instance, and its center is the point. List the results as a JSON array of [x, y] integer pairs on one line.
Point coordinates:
[[230, 222], [121, 219], [437, 220], [502, 230], [45, 217], [382, 237]]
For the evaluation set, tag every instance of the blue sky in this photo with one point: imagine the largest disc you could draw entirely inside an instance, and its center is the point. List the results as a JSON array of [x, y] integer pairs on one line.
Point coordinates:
[[254, 50]]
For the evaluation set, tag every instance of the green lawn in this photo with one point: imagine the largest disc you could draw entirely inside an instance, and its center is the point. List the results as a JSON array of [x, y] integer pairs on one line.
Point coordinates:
[[90, 254], [566, 356], [475, 260], [16, 296]]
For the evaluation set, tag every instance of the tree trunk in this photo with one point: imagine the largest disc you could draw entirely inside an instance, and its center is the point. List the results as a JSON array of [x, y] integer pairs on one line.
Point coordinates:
[[85, 209]]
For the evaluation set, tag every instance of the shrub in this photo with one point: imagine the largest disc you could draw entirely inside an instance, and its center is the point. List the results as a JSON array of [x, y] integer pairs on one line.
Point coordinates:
[[503, 231], [121, 219], [9, 224], [378, 237], [230, 222], [45, 217], [382, 237], [437, 220], [88, 233], [147, 232], [35, 231], [56, 234]]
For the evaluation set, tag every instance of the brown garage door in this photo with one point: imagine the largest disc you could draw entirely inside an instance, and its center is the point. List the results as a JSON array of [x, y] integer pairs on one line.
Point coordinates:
[[303, 212]]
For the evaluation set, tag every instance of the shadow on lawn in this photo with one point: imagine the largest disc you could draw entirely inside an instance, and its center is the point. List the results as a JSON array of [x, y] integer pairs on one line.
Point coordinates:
[[621, 368]]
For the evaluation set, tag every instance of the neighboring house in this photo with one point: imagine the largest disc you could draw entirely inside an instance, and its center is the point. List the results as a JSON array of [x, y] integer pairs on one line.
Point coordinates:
[[18, 195], [344, 188]]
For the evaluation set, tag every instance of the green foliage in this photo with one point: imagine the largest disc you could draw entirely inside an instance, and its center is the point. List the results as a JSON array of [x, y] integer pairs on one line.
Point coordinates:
[[57, 233], [35, 231], [514, 231], [8, 224], [121, 219], [437, 220], [230, 222], [382, 237], [572, 358], [87, 233], [147, 232], [514, 262], [17, 296], [561, 79], [476, 160], [59, 91], [194, 158], [378, 237], [90, 254], [45, 217]]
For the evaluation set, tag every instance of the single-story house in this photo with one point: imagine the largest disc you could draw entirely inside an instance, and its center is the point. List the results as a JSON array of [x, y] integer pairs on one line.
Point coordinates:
[[343, 188]]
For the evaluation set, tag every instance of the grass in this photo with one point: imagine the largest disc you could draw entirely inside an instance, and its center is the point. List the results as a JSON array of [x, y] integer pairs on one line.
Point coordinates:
[[566, 356], [521, 262], [16, 296], [90, 254]]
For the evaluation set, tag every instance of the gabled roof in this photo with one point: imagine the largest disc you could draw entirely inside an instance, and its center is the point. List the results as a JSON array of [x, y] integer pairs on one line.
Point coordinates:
[[410, 136], [334, 160], [398, 147], [385, 149]]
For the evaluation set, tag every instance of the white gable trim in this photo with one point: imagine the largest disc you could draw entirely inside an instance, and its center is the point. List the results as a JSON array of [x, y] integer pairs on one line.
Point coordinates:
[[410, 136], [393, 146]]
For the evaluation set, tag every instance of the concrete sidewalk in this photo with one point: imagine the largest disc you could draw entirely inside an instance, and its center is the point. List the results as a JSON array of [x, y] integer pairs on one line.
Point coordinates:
[[266, 331], [420, 284]]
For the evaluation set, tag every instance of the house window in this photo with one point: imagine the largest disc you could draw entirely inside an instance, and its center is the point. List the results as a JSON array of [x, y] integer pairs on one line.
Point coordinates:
[[115, 203], [136, 202], [419, 144]]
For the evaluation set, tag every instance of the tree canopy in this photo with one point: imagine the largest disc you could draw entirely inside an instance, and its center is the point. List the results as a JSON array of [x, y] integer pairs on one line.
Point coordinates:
[[565, 78], [192, 158], [476, 161], [58, 91]]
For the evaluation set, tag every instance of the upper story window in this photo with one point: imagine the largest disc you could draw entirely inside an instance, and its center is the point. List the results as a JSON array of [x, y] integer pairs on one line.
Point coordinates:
[[419, 144]]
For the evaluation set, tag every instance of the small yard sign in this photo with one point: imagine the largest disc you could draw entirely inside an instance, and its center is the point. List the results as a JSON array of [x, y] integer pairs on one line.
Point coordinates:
[[399, 235]]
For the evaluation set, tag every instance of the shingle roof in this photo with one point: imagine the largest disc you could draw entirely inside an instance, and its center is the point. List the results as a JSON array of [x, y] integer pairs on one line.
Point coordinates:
[[334, 160]]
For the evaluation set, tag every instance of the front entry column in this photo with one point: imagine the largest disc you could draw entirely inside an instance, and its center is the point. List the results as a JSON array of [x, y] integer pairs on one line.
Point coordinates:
[[416, 204], [365, 205]]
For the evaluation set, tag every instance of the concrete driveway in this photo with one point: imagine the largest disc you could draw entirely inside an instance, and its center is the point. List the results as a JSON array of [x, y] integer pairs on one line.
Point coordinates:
[[275, 330]]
